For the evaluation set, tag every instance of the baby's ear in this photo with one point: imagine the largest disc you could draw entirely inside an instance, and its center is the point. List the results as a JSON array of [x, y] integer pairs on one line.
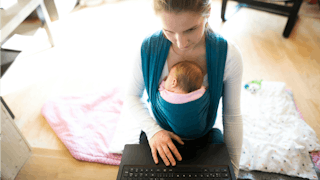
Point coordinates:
[[165, 78]]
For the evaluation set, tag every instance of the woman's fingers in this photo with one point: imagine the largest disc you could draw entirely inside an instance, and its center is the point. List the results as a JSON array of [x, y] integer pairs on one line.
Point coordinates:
[[174, 148], [177, 138], [169, 155], [163, 156], [160, 143], [175, 151], [154, 155]]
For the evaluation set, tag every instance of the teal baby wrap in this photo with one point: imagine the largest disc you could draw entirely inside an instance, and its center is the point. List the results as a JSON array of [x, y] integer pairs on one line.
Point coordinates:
[[196, 118]]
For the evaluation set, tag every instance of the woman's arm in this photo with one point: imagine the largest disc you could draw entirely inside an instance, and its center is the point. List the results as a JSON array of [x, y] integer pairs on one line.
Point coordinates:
[[136, 107], [232, 117], [159, 139]]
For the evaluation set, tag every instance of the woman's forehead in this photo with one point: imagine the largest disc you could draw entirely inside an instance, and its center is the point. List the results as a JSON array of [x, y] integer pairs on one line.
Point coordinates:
[[180, 22]]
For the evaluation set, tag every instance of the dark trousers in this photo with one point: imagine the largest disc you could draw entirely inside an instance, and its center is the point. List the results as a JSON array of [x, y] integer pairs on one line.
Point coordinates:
[[214, 136]]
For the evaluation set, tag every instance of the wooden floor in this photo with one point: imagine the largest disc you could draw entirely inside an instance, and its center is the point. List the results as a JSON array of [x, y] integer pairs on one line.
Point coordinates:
[[87, 57]]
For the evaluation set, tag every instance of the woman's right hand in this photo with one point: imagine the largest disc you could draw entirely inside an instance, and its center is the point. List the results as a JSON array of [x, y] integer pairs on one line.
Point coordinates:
[[161, 142]]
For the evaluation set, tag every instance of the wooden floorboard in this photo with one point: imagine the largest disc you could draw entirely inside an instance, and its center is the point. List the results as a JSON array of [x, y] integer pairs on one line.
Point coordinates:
[[53, 164]]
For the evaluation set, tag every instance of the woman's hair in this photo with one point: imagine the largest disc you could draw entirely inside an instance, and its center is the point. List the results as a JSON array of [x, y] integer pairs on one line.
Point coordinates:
[[189, 76], [200, 7]]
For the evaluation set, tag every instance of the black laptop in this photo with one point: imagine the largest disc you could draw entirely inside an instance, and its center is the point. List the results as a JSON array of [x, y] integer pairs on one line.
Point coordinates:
[[209, 162]]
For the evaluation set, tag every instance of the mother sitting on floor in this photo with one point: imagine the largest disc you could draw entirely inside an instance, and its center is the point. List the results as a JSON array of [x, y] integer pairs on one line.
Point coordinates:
[[186, 35]]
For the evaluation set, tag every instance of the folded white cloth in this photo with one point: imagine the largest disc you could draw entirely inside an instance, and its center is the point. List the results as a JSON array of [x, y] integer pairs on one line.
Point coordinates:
[[275, 138]]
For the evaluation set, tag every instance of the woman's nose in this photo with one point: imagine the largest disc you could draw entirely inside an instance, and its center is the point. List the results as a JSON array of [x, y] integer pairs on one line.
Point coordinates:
[[182, 41]]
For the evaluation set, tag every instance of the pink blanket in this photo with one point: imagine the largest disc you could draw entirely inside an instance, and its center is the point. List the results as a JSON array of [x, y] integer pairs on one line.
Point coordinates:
[[86, 123], [176, 98]]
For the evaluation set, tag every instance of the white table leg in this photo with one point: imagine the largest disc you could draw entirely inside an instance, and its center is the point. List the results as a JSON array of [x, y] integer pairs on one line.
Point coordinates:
[[45, 19]]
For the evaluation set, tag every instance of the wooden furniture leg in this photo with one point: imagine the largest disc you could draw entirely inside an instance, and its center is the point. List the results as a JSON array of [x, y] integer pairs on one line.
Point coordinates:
[[45, 19], [231, 11], [292, 18], [223, 10], [290, 12]]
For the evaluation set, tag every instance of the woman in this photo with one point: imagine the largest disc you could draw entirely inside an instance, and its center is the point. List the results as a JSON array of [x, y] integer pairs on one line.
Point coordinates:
[[186, 35]]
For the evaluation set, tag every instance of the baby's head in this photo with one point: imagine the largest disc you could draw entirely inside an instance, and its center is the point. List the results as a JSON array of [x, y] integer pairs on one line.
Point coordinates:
[[184, 77]]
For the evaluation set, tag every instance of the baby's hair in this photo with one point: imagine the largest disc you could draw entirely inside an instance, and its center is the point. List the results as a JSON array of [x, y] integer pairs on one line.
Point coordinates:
[[189, 76]]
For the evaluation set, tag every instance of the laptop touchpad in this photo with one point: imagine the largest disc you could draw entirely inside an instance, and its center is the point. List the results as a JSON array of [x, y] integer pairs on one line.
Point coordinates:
[[187, 153]]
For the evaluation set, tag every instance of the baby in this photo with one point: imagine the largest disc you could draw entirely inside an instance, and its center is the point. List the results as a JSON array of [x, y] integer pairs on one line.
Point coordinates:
[[183, 84]]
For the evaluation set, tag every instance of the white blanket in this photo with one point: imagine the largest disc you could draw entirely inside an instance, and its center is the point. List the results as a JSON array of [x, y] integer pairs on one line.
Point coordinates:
[[275, 138]]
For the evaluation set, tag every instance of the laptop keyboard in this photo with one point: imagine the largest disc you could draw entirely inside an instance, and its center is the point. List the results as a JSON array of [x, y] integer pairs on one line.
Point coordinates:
[[168, 173]]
